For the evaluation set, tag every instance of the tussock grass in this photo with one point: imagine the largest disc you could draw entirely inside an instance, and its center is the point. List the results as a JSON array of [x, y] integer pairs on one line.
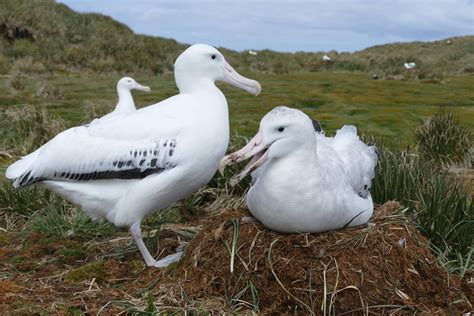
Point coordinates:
[[441, 205], [26, 127], [28, 201], [47, 91], [67, 221], [94, 109], [444, 139], [15, 83]]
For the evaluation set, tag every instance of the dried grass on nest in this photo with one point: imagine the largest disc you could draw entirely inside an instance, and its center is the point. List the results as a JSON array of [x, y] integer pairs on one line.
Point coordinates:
[[385, 265]]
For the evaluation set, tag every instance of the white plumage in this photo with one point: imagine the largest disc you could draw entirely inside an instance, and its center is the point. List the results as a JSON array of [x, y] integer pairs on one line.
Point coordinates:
[[326, 58], [304, 181], [126, 104], [409, 65], [127, 167]]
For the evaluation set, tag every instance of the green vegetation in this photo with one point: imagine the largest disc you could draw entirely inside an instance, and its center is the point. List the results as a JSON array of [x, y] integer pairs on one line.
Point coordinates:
[[67, 221], [59, 69], [440, 204], [443, 139], [44, 36], [95, 270], [387, 109]]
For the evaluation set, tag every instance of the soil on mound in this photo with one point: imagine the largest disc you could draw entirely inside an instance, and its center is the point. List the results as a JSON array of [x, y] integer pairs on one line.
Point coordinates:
[[382, 266]]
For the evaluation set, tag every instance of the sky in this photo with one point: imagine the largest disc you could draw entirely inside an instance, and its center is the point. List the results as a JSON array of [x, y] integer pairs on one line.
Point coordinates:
[[343, 25]]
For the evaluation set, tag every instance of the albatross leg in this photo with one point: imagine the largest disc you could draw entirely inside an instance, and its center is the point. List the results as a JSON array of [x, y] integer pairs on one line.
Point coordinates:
[[166, 261], [136, 232]]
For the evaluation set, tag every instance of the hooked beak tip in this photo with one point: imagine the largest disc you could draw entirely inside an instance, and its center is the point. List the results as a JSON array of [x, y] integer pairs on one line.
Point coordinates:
[[258, 88], [222, 164]]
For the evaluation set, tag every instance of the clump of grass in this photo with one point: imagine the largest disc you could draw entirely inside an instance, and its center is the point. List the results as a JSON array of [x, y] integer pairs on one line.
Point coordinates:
[[27, 201], [48, 92], [441, 205], [446, 214], [90, 271], [5, 65], [67, 221], [15, 83], [28, 66], [93, 110], [444, 139], [26, 127]]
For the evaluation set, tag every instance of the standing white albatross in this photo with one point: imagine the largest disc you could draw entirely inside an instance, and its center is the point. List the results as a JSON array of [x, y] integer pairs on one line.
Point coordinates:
[[303, 181], [131, 166], [125, 104]]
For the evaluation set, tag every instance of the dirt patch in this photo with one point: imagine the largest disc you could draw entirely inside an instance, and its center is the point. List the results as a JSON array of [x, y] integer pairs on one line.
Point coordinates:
[[384, 263], [382, 266]]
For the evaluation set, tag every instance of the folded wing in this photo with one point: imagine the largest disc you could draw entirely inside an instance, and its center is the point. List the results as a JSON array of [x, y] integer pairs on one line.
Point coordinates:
[[81, 154]]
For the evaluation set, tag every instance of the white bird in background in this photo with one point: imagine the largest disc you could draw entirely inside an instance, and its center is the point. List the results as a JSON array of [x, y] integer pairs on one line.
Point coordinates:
[[409, 65], [125, 104], [131, 166], [253, 53], [302, 180], [326, 58]]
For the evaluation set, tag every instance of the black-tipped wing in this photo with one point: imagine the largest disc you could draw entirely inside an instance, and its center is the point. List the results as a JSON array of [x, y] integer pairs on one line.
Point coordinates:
[[75, 155]]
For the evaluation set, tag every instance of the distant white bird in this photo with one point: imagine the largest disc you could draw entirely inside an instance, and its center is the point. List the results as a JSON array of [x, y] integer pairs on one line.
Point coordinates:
[[409, 65], [134, 165], [125, 104], [326, 58], [302, 180], [253, 53]]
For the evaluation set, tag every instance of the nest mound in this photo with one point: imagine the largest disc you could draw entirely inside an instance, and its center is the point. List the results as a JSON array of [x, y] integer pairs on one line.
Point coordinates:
[[384, 265]]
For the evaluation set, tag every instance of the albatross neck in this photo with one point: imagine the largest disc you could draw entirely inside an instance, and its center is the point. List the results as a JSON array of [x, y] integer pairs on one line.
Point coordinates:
[[125, 101], [191, 84]]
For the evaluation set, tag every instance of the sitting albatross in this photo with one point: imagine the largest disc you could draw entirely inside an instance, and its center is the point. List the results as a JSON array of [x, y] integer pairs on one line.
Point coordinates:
[[125, 104], [303, 181], [131, 166]]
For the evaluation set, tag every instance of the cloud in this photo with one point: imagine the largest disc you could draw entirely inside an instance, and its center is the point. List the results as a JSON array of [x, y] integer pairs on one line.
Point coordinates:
[[343, 25]]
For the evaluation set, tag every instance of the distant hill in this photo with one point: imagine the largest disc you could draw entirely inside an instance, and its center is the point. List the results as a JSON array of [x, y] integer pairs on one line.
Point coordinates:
[[45, 36]]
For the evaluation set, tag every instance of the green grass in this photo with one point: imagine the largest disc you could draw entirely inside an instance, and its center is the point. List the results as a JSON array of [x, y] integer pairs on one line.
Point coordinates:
[[442, 139], [69, 222], [387, 109], [44, 36], [440, 204]]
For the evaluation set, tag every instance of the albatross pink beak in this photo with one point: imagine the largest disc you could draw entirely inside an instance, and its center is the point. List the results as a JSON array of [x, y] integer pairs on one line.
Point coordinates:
[[255, 148], [234, 78], [141, 87]]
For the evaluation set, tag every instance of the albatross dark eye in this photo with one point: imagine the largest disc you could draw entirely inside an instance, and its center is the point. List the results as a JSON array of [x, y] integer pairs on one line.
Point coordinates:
[[213, 56], [281, 129]]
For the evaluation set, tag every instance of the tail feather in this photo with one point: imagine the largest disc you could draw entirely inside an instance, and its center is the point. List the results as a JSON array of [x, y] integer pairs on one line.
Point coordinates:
[[347, 129], [359, 159], [20, 170]]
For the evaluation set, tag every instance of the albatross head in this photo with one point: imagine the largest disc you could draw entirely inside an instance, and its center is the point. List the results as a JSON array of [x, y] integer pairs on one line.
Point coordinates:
[[282, 130], [127, 83], [203, 63]]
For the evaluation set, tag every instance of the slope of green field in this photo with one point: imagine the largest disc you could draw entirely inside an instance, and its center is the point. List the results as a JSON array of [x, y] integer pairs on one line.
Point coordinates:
[[44, 36], [385, 108]]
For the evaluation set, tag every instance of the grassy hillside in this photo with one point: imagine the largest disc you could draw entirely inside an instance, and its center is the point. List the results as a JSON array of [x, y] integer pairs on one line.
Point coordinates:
[[44, 36], [59, 68], [389, 109]]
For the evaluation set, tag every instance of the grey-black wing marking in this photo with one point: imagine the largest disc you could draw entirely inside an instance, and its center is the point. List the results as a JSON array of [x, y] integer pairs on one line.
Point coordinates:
[[137, 163], [317, 127], [364, 191]]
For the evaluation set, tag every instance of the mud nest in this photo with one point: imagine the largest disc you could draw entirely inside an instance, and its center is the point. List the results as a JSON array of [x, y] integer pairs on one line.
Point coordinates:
[[383, 266]]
